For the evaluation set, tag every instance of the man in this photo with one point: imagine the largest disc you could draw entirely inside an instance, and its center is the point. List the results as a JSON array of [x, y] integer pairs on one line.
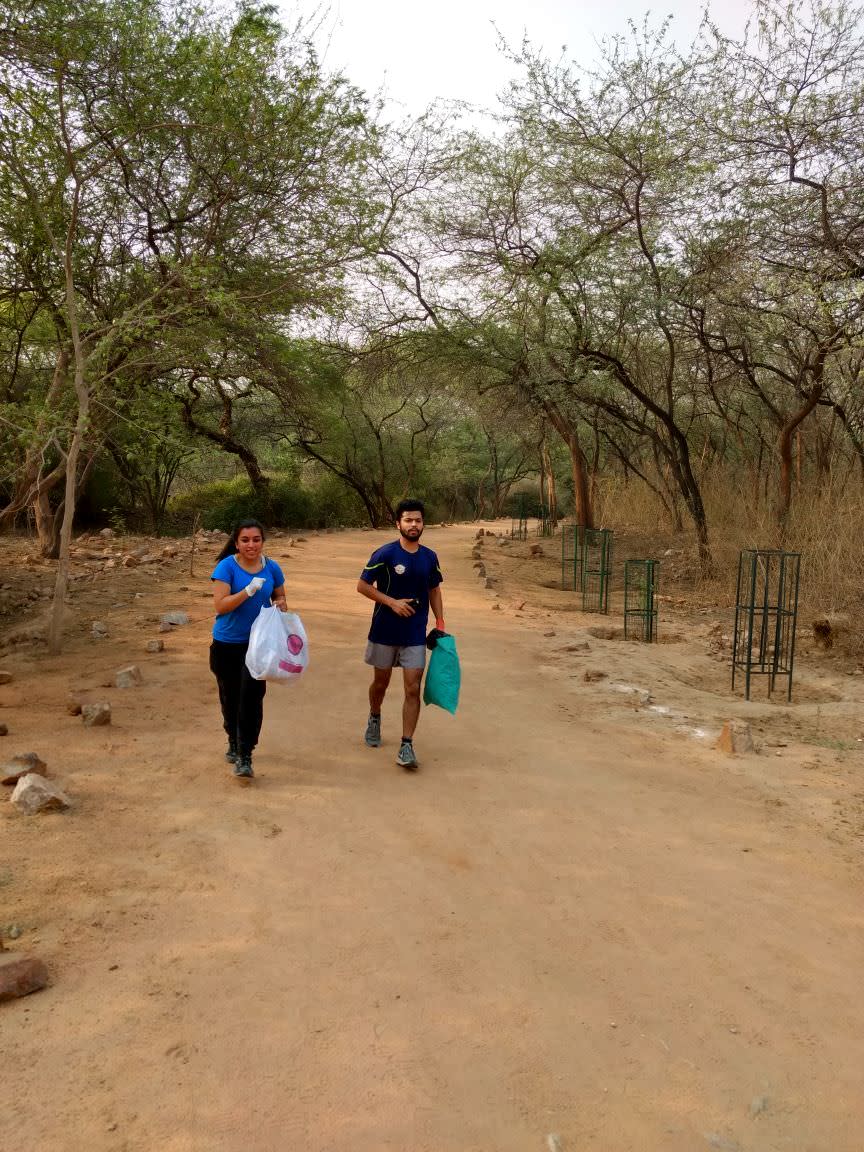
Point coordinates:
[[403, 579]]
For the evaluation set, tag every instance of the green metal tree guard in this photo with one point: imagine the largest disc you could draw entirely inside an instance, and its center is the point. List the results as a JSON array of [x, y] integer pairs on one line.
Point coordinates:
[[596, 548], [571, 557], [766, 614], [545, 523], [519, 523], [640, 600]]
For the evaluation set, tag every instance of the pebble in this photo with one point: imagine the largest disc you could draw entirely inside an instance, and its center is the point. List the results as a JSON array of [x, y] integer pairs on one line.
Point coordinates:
[[6, 677], [758, 1105], [96, 715], [129, 677], [4, 729], [155, 645], [174, 618], [14, 932]]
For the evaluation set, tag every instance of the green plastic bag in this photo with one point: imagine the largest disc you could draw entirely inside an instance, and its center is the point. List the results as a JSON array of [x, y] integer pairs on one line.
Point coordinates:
[[443, 676]]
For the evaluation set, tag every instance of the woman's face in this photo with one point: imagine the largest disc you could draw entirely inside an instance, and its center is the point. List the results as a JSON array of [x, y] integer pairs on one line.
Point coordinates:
[[249, 543]]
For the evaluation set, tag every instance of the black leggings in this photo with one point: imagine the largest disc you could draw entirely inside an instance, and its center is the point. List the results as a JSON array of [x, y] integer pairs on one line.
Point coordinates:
[[241, 697]]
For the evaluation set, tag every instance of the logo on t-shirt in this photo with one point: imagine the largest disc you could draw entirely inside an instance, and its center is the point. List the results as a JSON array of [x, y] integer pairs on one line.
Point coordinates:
[[399, 569]]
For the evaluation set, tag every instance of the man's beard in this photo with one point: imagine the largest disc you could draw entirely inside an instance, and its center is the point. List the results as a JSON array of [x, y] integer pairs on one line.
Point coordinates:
[[404, 533]]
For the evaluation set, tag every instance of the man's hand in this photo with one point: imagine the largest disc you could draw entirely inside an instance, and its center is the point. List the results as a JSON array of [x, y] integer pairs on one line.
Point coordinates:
[[402, 607]]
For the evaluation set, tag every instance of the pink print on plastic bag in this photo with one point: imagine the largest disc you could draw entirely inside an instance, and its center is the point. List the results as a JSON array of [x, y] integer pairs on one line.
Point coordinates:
[[295, 647]]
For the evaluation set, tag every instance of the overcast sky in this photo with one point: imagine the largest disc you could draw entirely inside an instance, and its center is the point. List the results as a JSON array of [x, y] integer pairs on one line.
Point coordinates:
[[418, 52]]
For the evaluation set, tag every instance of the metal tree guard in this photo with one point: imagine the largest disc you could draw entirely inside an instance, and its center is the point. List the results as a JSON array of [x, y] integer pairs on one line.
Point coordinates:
[[766, 613], [545, 522], [640, 603], [519, 523], [571, 557], [596, 568]]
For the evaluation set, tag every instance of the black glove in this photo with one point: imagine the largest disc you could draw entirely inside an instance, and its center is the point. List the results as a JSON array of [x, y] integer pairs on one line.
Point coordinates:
[[434, 636]]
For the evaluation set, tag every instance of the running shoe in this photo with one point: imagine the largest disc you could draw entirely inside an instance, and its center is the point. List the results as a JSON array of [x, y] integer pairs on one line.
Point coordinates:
[[373, 732], [243, 766], [231, 754], [406, 758]]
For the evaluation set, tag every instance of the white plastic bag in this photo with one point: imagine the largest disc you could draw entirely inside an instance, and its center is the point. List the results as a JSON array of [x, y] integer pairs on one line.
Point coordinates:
[[278, 649]]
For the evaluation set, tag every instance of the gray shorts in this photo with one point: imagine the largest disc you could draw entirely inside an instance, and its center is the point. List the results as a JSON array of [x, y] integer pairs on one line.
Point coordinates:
[[393, 656]]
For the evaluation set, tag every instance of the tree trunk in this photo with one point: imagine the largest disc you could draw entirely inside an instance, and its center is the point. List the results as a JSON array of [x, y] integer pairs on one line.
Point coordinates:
[[547, 484], [784, 445], [583, 512]]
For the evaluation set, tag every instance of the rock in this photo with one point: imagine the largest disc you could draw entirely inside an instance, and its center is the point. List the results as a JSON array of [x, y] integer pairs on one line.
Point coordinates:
[[4, 729], [155, 645], [480, 533], [98, 629], [6, 677], [73, 704], [476, 553], [96, 715], [593, 674], [481, 571], [174, 618], [129, 677], [536, 551], [107, 533], [130, 561], [163, 627], [490, 583], [19, 765], [14, 932], [549, 633], [580, 646], [33, 793], [20, 975], [827, 630], [736, 738], [496, 607], [170, 551], [758, 1105]]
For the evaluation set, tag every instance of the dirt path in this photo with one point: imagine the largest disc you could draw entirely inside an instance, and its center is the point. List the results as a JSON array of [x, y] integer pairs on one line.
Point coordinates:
[[568, 923]]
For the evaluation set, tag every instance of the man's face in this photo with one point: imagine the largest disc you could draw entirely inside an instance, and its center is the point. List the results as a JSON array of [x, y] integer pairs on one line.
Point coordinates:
[[410, 525]]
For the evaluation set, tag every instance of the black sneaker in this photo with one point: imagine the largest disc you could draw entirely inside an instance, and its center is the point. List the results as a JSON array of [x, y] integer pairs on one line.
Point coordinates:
[[232, 754], [406, 758], [243, 766]]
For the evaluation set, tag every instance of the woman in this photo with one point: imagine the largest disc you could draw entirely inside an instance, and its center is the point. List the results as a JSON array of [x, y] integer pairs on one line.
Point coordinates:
[[244, 582]]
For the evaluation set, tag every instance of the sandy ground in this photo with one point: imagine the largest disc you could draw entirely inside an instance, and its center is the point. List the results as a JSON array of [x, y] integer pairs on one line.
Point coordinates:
[[579, 927]]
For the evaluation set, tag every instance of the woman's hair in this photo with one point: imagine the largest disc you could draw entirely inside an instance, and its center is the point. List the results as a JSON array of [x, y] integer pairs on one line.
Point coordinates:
[[230, 548]]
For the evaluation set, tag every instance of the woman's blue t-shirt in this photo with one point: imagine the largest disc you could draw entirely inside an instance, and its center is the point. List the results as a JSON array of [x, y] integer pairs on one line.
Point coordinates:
[[234, 627]]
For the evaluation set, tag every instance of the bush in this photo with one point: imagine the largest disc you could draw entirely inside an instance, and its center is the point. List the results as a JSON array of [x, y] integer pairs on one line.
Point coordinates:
[[221, 503]]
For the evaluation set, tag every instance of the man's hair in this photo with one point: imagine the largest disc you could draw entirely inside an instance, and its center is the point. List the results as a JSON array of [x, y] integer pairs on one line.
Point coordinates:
[[410, 506]]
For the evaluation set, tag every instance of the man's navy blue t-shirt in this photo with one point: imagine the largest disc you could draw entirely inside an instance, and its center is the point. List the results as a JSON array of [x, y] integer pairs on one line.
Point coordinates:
[[404, 576]]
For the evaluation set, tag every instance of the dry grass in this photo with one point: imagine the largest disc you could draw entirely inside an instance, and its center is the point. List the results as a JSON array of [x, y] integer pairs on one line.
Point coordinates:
[[824, 526]]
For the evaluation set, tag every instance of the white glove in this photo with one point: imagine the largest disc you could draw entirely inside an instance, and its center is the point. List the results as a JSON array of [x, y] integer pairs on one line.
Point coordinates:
[[254, 585]]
